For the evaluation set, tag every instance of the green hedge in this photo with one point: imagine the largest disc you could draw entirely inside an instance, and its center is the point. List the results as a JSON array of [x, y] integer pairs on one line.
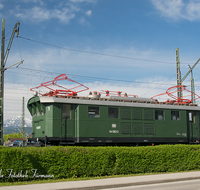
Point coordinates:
[[67, 162]]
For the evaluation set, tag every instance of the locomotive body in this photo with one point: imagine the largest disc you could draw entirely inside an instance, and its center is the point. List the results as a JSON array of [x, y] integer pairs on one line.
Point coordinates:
[[111, 120]]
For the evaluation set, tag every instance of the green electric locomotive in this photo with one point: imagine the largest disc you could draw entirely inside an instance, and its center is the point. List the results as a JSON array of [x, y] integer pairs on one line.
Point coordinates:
[[61, 117], [111, 120]]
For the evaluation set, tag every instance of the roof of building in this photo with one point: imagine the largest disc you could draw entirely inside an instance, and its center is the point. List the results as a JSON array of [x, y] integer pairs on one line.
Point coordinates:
[[16, 139]]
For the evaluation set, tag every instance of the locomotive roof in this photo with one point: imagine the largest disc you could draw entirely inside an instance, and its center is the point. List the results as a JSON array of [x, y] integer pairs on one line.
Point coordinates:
[[113, 101]]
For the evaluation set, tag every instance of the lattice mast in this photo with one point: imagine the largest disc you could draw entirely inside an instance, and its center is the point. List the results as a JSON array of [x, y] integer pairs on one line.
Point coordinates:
[[180, 81], [192, 86], [22, 132], [178, 73]]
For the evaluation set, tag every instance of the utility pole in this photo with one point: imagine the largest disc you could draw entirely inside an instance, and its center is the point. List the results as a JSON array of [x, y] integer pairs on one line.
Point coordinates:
[[2, 79], [178, 73], [4, 57]]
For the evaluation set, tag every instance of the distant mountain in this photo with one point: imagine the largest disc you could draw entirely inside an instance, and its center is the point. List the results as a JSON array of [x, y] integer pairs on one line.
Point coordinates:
[[13, 125], [15, 122], [9, 130]]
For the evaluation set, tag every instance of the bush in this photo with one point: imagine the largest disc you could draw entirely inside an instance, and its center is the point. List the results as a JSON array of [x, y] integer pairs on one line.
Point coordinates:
[[68, 162]]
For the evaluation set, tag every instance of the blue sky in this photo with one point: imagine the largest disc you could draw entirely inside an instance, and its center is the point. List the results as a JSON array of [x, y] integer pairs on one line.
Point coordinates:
[[130, 44]]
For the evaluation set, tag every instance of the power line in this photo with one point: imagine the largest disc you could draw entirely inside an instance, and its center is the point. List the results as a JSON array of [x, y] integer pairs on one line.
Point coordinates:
[[89, 77], [159, 85], [95, 53], [102, 54]]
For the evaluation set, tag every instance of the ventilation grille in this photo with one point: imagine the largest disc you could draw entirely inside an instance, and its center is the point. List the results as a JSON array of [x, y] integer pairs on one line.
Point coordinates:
[[137, 129], [125, 128], [148, 114], [125, 113], [137, 114]]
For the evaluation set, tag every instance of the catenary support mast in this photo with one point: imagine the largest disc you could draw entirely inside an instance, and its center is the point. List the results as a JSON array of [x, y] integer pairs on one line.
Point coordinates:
[[22, 119], [178, 72], [2, 80], [4, 57], [180, 81]]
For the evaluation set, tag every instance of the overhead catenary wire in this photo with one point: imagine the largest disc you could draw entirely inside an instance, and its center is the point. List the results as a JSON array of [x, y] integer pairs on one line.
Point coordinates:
[[83, 51], [95, 53], [97, 78], [159, 85], [89, 77]]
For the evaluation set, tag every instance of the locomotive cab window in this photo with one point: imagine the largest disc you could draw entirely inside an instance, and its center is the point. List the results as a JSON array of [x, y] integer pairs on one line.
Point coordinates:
[[159, 114], [93, 112], [34, 114], [175, 115], [113, 113], [34, 111], [38, 111], [42, 111]]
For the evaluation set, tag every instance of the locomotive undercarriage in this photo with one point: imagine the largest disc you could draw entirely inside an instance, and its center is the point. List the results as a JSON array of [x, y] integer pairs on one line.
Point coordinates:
[[102, 141]]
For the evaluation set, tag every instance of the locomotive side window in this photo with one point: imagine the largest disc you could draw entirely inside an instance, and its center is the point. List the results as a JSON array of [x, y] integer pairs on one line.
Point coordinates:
[[93, 112], [159, 114], [175, 115], [190, 117], [66, 111], [113, 113]]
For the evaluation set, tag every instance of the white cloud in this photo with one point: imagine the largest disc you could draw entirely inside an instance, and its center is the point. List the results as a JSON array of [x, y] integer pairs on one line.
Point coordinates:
[[13, 100], [1, 6], [178, 9], [41, 14], [89, 13], [193, 10], [63, 15], [64, 12]]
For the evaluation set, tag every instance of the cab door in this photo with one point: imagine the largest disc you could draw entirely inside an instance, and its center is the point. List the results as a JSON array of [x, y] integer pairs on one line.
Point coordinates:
[[67, 124], [194, 126]]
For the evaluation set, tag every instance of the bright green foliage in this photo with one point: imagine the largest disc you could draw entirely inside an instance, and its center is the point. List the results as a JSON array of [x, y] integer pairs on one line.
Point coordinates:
[[67, 162]]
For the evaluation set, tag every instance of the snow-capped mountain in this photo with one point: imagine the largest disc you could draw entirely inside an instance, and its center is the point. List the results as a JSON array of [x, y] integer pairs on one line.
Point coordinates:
[[16, 122]]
